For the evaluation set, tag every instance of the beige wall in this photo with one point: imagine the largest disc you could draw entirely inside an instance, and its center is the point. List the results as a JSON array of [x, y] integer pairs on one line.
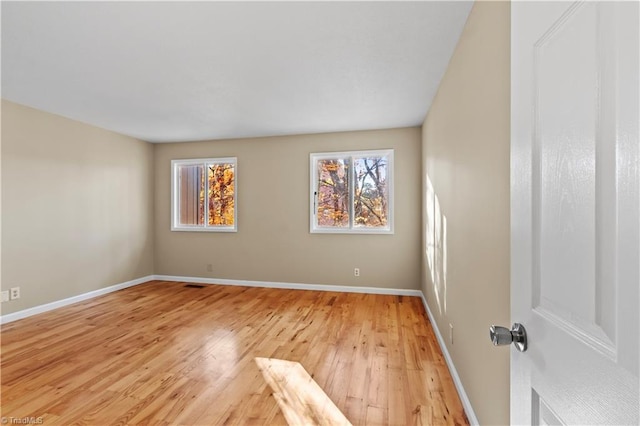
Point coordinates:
[[466, 157], [77, 207], [273, 242]]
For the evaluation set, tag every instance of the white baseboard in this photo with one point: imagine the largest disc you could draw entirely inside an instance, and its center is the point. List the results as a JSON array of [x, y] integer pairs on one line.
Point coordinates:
[[471, 415], [68, 301], [293, 286]]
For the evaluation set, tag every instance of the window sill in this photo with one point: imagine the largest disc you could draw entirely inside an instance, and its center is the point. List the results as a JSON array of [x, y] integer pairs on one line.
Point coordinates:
[[203, 229], [383, 231]]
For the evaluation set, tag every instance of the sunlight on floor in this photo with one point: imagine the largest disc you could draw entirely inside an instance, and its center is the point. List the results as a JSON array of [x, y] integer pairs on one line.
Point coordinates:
[[301, 399], [222, 354]]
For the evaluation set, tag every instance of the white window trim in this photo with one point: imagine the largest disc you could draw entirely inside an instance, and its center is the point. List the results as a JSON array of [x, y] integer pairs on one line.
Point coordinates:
[[313, 161], [175, 205]]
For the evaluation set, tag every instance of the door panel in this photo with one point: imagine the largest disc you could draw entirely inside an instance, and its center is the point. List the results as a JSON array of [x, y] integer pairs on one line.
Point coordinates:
[[575, 234], [542, 413], [567, 175]]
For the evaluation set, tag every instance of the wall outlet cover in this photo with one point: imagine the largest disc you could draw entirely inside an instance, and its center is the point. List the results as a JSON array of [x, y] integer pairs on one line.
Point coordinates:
[[14, 293]]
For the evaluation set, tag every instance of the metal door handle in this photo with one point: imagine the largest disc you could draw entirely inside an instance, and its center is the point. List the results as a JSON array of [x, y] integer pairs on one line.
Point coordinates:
[[503, 336]]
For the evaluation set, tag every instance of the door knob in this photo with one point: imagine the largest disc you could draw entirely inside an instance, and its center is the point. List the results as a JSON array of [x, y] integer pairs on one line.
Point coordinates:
[[503, 336]]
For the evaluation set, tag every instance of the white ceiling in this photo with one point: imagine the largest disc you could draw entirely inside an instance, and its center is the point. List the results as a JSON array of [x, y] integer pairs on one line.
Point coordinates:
[[179, 71]]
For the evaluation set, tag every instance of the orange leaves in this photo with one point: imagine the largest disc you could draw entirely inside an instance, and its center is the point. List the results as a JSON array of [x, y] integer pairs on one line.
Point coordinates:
[[333, 193], [227, 175], [221, 194], [330, 166]]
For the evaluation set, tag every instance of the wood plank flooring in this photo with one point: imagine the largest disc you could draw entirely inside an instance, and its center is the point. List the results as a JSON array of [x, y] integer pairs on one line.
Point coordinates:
[[161, 353]]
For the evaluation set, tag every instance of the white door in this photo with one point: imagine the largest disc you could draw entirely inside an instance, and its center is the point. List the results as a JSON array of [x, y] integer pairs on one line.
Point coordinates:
[[575, 212]]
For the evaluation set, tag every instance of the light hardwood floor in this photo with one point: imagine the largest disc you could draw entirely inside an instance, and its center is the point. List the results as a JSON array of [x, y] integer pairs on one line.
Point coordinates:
[[164, 354]]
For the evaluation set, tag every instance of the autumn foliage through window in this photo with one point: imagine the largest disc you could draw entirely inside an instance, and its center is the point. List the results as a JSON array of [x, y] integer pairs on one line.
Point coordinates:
[[351, 191], [204, 194]]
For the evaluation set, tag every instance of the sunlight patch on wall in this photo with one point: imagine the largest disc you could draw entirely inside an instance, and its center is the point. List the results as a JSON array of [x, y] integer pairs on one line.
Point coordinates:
[[436, 246], [430, 229]]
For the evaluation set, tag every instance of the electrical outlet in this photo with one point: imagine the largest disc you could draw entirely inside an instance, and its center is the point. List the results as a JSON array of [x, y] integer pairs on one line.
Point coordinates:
[[5, 296], [15, 293], [451, 333], [356, 272], [209, 267]]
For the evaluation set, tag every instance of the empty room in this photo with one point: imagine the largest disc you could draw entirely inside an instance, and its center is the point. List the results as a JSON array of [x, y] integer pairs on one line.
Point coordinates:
[[320, 213]]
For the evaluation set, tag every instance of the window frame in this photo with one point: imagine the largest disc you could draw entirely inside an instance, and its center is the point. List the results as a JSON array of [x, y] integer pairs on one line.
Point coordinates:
[[313, 185], [175, 195]]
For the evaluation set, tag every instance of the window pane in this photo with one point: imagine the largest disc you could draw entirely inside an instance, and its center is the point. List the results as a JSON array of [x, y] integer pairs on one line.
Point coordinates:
[[191, 194], [333, 193], [221, 194], [371, 192]]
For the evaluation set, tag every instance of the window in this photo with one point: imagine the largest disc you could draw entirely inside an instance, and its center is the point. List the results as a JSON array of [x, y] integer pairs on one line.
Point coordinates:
[[352, 192], [203, 195]]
